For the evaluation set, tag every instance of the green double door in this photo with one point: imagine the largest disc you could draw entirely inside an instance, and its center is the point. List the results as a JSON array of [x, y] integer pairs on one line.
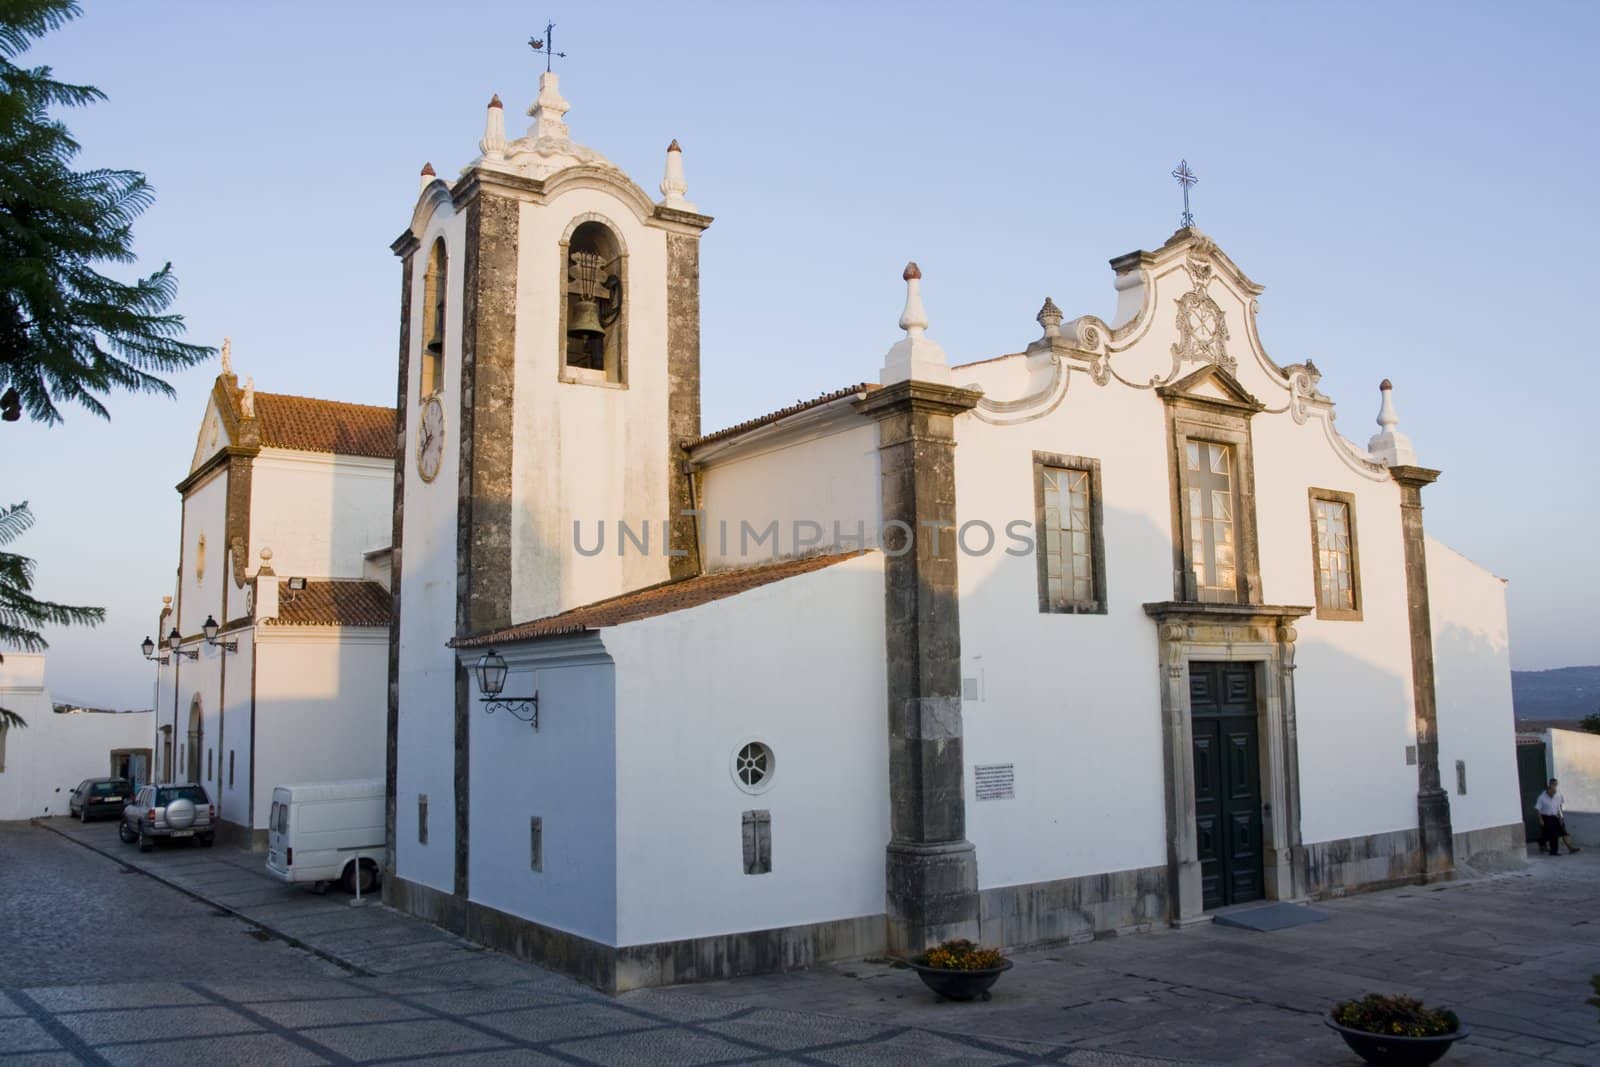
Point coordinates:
[[1227, 782]]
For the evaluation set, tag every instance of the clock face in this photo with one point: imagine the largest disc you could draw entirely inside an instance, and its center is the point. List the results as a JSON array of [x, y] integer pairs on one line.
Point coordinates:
[[430, 439]]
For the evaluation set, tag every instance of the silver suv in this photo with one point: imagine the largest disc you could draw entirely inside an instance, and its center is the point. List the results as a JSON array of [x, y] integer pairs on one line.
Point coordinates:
[[168, 811]]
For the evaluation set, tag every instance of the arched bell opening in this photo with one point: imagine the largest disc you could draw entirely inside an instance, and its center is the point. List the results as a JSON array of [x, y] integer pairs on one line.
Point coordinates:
[[594, 305]]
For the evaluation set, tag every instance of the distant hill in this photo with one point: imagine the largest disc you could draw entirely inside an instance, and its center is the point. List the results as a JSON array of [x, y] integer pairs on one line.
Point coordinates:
[[1564, 693]]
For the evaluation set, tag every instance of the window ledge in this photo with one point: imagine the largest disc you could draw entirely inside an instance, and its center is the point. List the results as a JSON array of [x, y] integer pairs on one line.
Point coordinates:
[[1339, 614], [583, 376], [1087, 607]]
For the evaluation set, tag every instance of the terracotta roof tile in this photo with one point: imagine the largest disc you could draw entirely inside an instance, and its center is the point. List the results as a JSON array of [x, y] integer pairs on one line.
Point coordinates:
[[655, 600], [335, 602], [782, 413], [310, 425]]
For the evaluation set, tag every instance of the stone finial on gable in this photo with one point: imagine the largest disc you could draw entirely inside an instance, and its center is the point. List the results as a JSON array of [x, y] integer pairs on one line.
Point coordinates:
[[427, 176], [914, 356], [672, 184], [1389, 446], [247, 403], [493, 145], [227, 356], [1050, 318], [548, 109]]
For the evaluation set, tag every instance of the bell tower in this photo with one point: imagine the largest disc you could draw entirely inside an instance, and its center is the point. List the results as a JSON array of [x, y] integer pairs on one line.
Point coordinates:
[[549, 368], [577, 367]]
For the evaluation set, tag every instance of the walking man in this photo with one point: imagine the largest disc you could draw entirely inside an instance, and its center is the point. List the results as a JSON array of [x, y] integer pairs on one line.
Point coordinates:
[[1549, 807]]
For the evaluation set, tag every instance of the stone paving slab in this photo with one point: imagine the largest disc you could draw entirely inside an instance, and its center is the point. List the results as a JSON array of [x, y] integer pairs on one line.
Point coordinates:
[[1511, 953]]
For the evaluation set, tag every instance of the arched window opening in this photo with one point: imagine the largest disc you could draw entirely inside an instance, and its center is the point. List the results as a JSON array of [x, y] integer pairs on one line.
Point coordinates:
[[193, 750], [594, 304], [434, 289]]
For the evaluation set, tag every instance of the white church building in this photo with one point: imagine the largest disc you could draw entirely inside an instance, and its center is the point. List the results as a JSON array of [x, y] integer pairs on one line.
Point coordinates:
[[272, 653], [1103, 634]]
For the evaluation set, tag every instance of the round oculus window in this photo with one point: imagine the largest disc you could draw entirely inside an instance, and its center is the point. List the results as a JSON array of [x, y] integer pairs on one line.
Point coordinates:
[[753, 766]]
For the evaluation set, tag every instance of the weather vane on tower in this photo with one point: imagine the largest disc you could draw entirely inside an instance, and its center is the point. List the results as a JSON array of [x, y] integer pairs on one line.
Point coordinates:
[[1186, 178], [546, 45]]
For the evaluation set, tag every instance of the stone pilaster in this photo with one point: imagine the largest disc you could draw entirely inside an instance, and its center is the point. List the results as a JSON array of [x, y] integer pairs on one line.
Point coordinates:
[[683, 392], [1433, 803], [406, 249], [932, 869], [483, 513]]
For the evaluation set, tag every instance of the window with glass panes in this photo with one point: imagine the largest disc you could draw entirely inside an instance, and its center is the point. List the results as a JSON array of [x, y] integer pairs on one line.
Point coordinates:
[[1334, 554], [1071, 570], [1212, 531]]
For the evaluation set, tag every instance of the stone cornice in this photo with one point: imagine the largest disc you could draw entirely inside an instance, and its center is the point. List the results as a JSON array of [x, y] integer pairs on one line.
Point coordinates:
[[918, 396], [1413, 477], [216, 462], [1194, 611], [679, 221]]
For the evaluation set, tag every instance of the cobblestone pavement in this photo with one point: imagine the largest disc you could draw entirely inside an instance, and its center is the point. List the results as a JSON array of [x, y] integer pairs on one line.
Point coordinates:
[[100, 964], [1511, 953]]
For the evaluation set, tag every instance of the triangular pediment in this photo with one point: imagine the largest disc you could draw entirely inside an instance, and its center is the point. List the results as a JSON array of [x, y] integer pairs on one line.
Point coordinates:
[[1211, 384], [213, 436]]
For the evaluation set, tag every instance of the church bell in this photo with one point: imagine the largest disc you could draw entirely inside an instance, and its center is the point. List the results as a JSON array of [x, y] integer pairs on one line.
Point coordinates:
[[587, 284], [585, 320]]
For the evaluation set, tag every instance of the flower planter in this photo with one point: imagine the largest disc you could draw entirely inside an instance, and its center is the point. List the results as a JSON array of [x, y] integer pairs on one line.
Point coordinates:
[[1382, 1050], [952, 984]]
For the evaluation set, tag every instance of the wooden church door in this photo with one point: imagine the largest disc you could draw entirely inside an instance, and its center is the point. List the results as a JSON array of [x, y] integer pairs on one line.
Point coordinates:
[[1227, 782]]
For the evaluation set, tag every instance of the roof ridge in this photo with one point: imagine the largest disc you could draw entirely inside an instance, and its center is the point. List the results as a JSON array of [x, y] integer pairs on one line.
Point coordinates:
[[325, 400]]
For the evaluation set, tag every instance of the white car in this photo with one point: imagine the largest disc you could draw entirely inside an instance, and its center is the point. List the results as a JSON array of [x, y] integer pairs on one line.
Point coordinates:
[[326, 832]]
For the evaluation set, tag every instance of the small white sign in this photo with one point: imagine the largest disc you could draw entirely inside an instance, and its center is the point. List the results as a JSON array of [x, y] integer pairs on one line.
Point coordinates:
[[995, 781]]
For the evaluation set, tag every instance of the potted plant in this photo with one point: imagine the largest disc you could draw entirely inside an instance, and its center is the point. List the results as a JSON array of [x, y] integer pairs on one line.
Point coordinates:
[[1395, 1031], [960, 969]]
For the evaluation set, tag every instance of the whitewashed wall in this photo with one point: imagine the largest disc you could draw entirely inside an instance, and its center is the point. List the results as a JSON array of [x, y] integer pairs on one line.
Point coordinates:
[[200, 595], [322, 693], [235, 738], [586, 452], [1575, 760], [828, 478], [1071, 700], [1472, 679], [425, 737], [566, 775], [694, 686], [43, 762], [1353, 697], [319, 513]]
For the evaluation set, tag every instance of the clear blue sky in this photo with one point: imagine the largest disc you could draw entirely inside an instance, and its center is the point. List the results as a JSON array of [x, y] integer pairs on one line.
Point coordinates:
[[1414, 184]]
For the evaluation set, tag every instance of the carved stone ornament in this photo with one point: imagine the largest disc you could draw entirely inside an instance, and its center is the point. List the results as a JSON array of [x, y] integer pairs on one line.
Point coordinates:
[[1202, 329]]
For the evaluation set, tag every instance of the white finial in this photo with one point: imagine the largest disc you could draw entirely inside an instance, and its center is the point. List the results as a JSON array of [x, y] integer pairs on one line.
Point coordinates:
[[493, 145], [915, 356], [1389, 446], [427, 176], [672, 184], [913, 320], [547, 111], [247, 403], [227, 356], [166, 600]]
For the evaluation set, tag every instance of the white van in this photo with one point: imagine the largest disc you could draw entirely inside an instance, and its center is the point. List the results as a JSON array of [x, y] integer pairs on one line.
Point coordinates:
[[327, 832]]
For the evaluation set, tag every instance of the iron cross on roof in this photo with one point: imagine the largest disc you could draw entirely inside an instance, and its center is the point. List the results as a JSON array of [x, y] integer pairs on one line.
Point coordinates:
[[1186, 178], [546, 45]]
